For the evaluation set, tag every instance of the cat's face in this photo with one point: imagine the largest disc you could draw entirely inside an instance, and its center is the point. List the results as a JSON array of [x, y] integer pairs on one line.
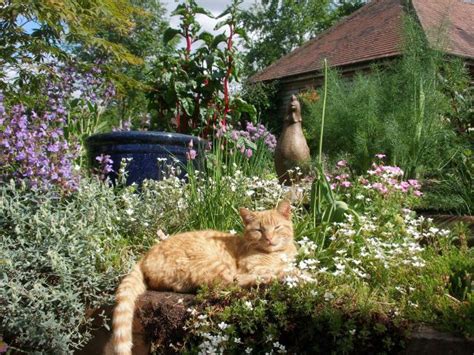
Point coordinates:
[[270, 230]]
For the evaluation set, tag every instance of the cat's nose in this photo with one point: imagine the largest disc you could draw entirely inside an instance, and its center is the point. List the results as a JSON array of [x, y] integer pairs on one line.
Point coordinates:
[[269, 241]]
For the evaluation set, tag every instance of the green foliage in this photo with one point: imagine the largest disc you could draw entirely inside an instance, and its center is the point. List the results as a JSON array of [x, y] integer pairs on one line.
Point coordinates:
[[191, 85], [376, 274], [226, 182], [263, 96], [364, 290], [402, 109], [33, 31], [61, 257]]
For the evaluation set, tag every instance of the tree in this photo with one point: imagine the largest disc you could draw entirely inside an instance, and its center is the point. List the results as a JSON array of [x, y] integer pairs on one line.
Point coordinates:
[[276, 27], [34, 32], [145, 41]]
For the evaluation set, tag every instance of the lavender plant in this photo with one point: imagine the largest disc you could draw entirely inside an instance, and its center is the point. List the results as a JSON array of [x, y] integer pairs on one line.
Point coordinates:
[[33, 148], [84, 95]]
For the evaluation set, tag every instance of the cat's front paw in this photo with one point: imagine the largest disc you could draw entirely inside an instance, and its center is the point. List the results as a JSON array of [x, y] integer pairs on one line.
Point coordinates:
[[249, 280]]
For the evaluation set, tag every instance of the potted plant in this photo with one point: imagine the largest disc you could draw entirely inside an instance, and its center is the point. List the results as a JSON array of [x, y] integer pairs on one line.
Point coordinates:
[[190, 96]]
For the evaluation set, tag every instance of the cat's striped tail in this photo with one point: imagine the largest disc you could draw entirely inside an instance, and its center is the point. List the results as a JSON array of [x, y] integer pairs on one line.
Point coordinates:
[[132, 286]]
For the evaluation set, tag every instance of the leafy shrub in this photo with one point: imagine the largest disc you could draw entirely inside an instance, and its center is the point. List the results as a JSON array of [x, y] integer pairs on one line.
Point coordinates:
[[404, 109], [192, 85], [61, 257]]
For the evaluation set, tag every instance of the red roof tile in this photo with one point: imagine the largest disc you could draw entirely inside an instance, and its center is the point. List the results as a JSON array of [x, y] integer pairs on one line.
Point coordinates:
[[373, 32]]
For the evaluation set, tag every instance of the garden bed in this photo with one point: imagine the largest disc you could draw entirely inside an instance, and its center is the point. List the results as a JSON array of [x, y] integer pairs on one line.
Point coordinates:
[[162, 317]]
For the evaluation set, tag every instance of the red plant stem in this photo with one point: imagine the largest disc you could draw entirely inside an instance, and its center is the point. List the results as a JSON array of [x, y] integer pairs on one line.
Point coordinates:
[[227, 75], [188, 43]]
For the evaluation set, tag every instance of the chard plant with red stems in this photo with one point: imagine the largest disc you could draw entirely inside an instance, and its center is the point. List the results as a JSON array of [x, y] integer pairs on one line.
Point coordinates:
[[192, 87]]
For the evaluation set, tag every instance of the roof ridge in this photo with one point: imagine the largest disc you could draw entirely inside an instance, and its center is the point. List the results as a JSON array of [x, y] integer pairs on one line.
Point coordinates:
[[318, 37]]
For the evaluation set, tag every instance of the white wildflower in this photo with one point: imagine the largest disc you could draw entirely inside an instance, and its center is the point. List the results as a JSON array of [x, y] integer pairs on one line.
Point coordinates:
[[328, 296], [223, 325]]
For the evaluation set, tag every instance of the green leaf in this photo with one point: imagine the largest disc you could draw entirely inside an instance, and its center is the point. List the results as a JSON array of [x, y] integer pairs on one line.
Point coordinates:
[[242, 33], [243, 106], [188, 105], [225, 12], [169, 34], [220, 24], [219, 39], [181, 10], [206, 37], [203, 11]]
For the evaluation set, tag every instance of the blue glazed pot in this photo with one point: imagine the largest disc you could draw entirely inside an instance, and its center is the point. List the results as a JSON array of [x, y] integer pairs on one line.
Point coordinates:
[[151, 153]]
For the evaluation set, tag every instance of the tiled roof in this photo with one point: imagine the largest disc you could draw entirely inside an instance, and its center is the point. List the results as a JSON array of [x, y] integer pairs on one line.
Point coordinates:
[[455, 18], [373, 32]]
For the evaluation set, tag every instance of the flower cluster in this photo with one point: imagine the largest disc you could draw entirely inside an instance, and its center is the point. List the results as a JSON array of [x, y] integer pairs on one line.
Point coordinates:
[[254, 133], [105, 166], [73, 83], [381, 184], [367, 247], [33, 147]]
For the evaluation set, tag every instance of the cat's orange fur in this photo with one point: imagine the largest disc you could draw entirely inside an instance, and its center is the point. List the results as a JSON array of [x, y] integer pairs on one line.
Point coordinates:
[[186, 261]]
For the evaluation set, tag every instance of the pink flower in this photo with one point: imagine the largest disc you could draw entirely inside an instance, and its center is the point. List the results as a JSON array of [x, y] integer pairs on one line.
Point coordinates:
[[405, 185], [3, 346], [417, 193], [346, 184], [341, 177], [249, 153], [191, 154], [341, 163], [414, 183], [380, 156], [380, 187], [393, 170]]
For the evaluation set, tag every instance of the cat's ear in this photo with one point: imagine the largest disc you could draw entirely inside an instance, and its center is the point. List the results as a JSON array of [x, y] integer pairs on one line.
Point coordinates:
[[284, 208], [247, 215]]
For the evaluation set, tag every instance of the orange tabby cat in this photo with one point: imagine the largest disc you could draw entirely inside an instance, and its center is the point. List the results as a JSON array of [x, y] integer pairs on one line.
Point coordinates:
[[186, 261]]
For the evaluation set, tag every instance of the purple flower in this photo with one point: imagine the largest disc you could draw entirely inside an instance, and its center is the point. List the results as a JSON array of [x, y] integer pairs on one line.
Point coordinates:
[[191, 154], [346, 184], [249, 153], [255, 134], [105, 166], [40, 156]]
